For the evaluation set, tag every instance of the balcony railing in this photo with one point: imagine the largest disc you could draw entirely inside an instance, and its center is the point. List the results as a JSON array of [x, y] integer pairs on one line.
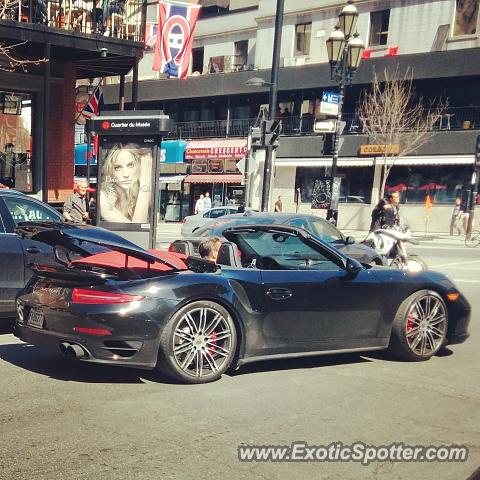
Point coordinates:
[[461, 118], [115, 18]]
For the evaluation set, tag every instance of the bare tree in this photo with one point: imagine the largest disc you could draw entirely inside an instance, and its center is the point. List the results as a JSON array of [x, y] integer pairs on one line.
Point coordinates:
[[392, 116], [10, 60]]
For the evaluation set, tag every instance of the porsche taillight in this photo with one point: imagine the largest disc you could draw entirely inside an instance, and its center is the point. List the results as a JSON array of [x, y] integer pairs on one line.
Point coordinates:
[[83, 295]]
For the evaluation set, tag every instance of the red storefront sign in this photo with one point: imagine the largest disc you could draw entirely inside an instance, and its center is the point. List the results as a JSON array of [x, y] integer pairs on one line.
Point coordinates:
[[216, 149]]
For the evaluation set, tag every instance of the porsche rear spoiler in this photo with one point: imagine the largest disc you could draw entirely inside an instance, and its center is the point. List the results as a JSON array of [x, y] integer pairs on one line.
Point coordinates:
[[71, 276], [71, 237]]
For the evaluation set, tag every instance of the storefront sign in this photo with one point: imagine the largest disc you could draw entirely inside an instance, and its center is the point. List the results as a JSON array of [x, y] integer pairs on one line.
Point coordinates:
[[127, 125], [216, 152], [374, 150]]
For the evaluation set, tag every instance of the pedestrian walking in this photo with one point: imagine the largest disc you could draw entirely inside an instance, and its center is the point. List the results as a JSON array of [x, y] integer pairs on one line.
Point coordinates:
[[207, 201], [278, 205], [75, 206], [200, 204], [457, 218]]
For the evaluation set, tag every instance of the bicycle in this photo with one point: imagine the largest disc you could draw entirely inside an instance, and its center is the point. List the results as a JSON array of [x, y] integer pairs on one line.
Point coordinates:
[[473, 240]]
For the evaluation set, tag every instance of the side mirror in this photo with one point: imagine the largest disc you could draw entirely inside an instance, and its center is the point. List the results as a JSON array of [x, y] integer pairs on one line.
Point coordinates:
[[350, 240], [352, 268]]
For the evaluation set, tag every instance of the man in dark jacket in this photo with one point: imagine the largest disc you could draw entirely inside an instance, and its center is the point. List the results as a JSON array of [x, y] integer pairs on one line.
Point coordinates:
[[386, 212]]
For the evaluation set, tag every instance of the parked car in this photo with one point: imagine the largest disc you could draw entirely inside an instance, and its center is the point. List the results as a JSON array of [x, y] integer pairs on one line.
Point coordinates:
[[315, 225], [192, 223], [192, 319], [16, 252]]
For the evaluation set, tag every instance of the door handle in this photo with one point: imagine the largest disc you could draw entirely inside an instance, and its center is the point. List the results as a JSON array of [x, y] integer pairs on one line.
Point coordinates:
[[279, 293], [32, 250]]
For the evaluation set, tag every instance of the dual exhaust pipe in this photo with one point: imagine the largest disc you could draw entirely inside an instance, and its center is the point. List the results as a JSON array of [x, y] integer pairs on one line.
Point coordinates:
[[73, 350]]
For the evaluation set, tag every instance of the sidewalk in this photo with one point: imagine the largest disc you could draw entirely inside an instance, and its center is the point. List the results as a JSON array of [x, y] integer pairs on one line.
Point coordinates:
[[434, 238], [170, 231]]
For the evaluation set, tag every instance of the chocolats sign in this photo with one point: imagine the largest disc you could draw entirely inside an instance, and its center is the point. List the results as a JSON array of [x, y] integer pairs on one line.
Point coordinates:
[[216, 152]]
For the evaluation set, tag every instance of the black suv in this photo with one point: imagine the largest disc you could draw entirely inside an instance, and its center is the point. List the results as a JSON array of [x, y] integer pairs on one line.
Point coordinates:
[[17, 253]]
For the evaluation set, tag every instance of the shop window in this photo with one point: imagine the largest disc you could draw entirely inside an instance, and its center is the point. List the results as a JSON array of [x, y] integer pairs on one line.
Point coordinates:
[[466, 16], [16, 140], [442, 183], [379, 22], [303, 32], [356, 184]]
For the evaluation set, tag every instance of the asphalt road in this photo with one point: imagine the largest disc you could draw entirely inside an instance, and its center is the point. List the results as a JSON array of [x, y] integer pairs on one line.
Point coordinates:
[[64, 420]]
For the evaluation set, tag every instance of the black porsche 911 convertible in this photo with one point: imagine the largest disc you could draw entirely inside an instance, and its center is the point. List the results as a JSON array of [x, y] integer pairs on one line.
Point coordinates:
[[274, 292]]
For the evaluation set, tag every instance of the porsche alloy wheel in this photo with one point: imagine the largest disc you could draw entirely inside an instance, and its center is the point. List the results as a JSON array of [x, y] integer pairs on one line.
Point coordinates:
[[198, 343], [420, 326]]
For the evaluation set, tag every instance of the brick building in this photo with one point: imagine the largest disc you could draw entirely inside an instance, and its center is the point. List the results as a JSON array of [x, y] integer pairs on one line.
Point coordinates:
[[37, 100]]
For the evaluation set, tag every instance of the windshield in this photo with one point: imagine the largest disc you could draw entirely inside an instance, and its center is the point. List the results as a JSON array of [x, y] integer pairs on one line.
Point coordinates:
[[282, 251], [326, 232]]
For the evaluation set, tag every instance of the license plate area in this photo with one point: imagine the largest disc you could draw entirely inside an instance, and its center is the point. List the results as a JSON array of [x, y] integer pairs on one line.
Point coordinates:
[[36, 318]]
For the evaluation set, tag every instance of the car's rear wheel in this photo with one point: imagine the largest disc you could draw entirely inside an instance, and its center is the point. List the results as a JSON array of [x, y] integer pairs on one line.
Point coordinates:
[[198, 343], [420, 326]]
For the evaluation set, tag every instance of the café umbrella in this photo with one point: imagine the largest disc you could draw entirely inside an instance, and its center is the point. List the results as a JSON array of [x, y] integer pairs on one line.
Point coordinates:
[[432, 186]]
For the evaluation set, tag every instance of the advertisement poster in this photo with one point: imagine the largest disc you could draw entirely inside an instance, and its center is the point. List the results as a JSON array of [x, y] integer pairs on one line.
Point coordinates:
[[125, 182], [466, 15]]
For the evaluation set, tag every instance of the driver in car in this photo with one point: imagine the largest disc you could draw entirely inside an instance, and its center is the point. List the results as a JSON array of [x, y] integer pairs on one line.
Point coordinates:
[[208, 248]]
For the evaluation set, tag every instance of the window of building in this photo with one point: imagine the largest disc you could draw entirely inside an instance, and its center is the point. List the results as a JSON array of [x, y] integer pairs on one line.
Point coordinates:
[[197, 60], [356, 184], [442, 183], [240, 55], [379, 27], [466, 15], [303, 32], [16, 140]]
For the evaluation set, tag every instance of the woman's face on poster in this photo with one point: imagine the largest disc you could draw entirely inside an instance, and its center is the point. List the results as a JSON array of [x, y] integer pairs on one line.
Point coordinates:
[[126, 169]]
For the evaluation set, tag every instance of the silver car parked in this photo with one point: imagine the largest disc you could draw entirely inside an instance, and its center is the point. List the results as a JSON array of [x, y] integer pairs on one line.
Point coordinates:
[[205, 218]]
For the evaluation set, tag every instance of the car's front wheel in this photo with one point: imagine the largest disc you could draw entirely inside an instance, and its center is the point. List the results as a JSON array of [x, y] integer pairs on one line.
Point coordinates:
[[420, 326], [198, 343]]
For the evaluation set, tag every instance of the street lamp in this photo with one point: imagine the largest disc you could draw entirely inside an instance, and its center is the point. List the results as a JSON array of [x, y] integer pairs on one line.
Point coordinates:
[[345, 49], [258, 82]]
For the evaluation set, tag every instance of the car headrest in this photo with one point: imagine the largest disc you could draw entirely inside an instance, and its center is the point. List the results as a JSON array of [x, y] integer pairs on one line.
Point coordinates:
[[228, 255], [183, 246]]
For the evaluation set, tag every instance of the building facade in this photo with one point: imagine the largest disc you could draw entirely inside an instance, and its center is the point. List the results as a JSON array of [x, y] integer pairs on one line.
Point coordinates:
[[434, 41], [55, 46]]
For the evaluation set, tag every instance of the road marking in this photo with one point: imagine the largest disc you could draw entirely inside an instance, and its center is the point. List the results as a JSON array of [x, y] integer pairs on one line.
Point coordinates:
[[439, 247], [468, 262]]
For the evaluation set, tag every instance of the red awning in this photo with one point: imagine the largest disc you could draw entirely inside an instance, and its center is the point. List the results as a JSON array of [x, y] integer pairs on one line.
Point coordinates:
[[215, 178], [227, 148]]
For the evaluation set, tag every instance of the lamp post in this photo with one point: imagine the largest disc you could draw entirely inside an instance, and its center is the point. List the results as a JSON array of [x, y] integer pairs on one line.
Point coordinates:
[[345, 49], [272, 106]]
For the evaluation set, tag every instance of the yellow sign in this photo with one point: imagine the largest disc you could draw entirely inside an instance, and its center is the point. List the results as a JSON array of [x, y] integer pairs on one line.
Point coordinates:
[[377, 150]]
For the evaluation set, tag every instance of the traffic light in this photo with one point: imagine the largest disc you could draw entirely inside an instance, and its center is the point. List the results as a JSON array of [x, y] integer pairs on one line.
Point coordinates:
[[328, 144], [477, 152]]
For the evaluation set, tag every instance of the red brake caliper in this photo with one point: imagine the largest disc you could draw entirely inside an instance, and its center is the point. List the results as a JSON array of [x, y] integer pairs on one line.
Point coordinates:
[[213, 343], [410, 323]]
